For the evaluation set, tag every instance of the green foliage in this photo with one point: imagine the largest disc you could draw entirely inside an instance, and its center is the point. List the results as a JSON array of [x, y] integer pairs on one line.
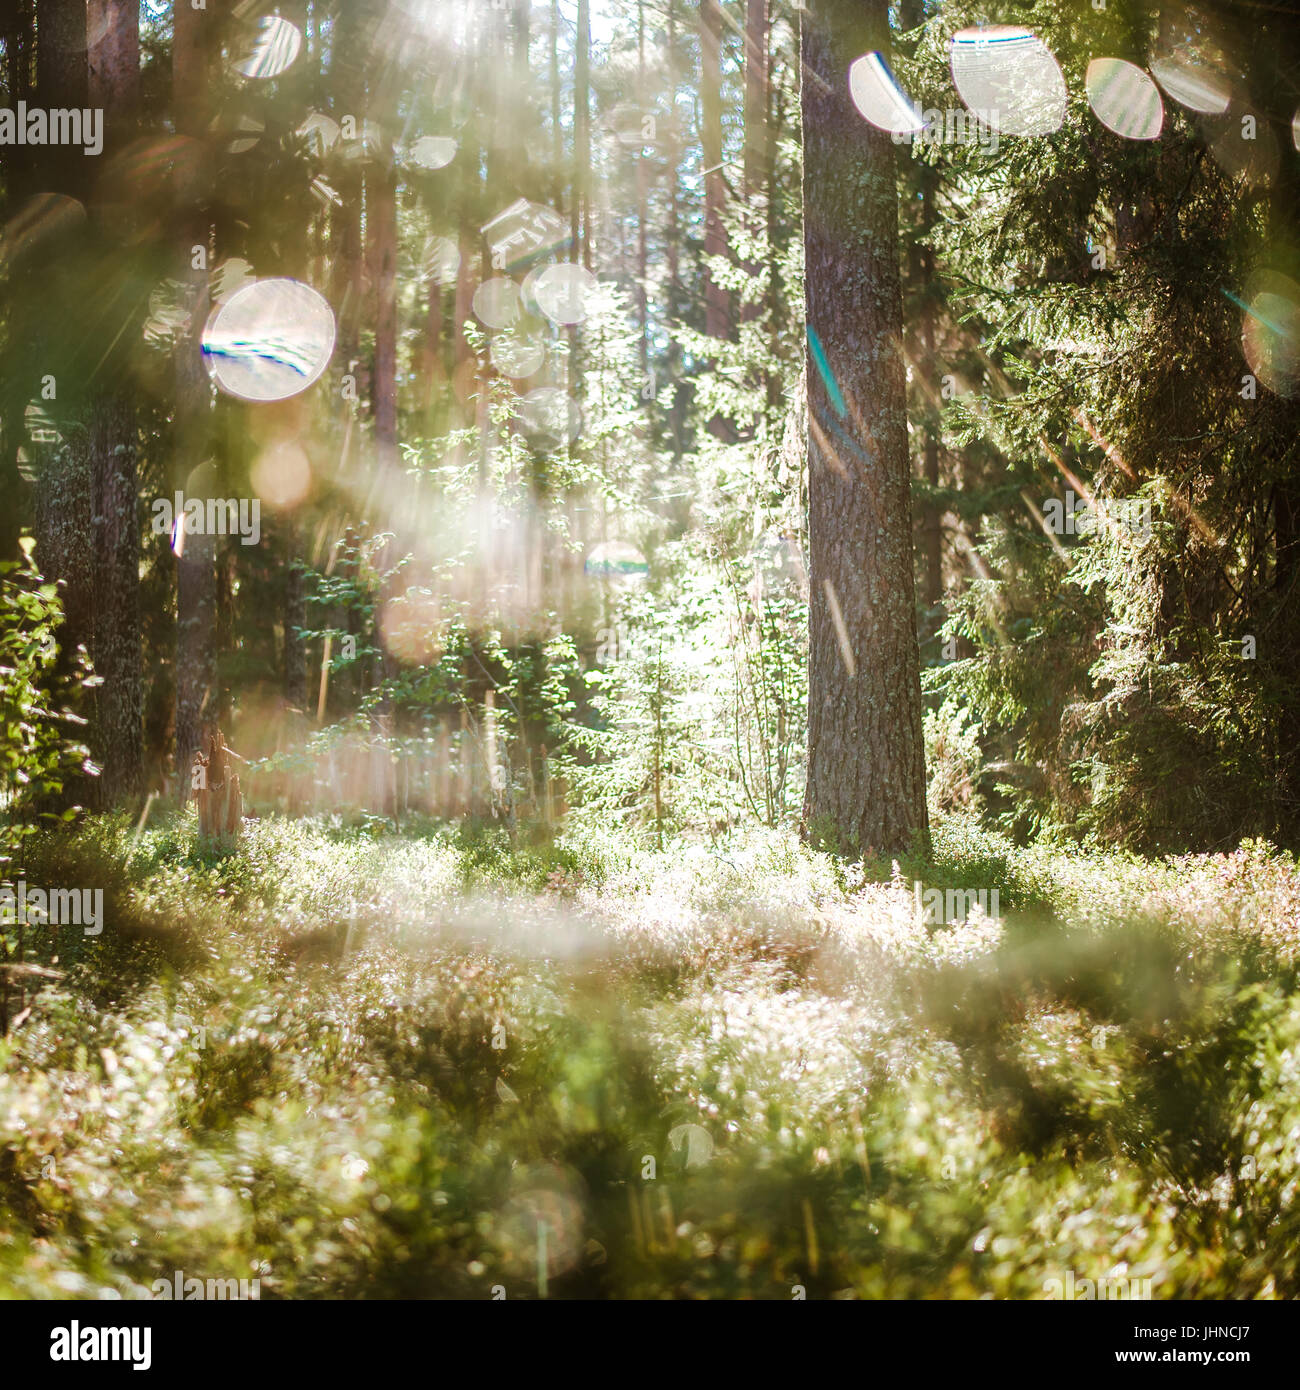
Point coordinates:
[[1089, 327], [512, 1036], [36, 752]]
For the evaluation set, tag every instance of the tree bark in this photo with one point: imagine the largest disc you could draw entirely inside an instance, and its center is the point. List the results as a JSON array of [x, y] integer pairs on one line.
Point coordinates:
[[64, 500], [347, 79], [642, 202], [755, 95], [715, 189], [196, 579], [114, 51], [580, 213], [866, 773], [114, 85], [381, 202], [61, 81]]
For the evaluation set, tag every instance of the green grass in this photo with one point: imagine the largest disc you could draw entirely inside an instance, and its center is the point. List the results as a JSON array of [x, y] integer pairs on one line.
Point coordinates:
[[363, 1065]]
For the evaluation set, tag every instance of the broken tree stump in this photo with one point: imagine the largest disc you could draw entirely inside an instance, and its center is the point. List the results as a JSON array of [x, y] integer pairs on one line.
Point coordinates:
[[214, 785]]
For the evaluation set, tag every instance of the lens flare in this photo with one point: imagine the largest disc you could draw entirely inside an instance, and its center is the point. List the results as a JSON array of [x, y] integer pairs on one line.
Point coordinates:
[[171, 311], [282, 475], [496, 302], [41, 218], [231, 275], [523, 232], [268, 50], [321, 133], [1009, 78], [269, 340], [634, 127], [1124, 99], [879, 98], [517, 354], [619, 561], [565, 293], [1247, 149], [432, 152], [413, 627], [441, 260], [549, 417], [1270, 332]]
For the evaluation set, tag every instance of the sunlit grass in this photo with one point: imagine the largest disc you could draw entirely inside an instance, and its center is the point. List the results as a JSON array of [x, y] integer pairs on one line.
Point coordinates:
[[358, 1064]]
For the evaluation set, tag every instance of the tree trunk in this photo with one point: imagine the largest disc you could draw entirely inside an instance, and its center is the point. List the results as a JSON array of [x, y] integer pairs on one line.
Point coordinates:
[[196, 580], [347, 79], [676, 414], [61, 81], [64, 500], [755, 95], [580, 213], [114, 34], [715, 189], [381, 203], [866, 773], [114, 82], [642, 200], [118, 649], [930, 449], [557, 132]]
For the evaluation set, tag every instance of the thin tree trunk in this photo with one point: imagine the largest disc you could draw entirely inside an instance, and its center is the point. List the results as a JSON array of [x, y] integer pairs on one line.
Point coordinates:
[[347, 78], [715, 189], [676, 418], [381, 203], [756, 81], [557, 132], [580, 214], [717, 309], [61, 81], [114, 33], [196, 599], [65, 550], [756, 175], [866, 773], [931, 519], [642, 201], [114, 85]]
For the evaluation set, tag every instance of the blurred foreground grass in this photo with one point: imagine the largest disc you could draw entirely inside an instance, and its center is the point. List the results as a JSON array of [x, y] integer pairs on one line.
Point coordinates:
[[362, 1065]]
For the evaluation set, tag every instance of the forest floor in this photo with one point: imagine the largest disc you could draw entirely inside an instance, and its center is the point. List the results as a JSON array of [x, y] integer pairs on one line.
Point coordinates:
[[353, 1063]]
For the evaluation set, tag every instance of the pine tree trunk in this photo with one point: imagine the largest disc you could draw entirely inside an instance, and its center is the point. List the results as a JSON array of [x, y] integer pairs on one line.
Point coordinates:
[[114, 51], [715, 236], [755, 94], [347, 80], [642, 202], [196, 577], [114, 83], [381, 203], [717, 309], [672, 243], [64, 498], [866, 774], [118, 650], [580, 213]]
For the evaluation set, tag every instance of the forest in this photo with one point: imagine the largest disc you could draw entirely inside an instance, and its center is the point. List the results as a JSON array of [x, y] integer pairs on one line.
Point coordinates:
[[650, 650]]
